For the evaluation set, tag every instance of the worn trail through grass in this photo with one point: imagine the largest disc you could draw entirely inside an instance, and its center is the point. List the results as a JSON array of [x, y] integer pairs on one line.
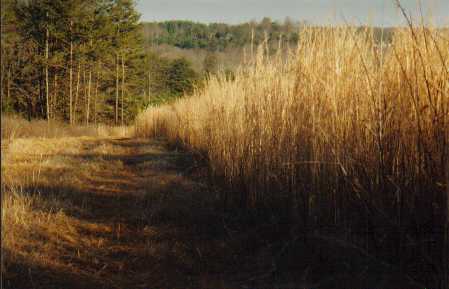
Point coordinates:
[[133, 218], [131, 213]]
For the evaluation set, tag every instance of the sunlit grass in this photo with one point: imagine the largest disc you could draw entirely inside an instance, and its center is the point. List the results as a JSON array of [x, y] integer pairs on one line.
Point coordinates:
[[346, 132]]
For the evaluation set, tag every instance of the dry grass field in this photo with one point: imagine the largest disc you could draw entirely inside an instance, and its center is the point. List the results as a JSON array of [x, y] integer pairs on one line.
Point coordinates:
[[323, 167], [319, 161], [42, 172], [98, 212], [347, 136], [118, 212]]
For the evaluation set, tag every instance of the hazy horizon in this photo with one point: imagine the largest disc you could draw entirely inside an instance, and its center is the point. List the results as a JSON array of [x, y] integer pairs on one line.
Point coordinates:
[[375, 12]]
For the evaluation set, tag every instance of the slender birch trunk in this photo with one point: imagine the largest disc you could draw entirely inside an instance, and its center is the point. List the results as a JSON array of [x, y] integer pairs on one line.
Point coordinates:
[[97, 80], [123, 85], [77, 92], [55, 97], [89, 87], [116, 89], [84, 91], [47, 35], [71, 75], [88, 97]]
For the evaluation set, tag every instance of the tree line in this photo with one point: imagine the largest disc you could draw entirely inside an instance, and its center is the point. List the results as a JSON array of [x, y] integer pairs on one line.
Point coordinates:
[[187, 34], [82, 62], [219, 36]]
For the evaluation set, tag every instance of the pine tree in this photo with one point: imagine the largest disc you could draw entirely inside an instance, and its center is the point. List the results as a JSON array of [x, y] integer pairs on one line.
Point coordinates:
[[128, 46], [180, 77], [77, 60]]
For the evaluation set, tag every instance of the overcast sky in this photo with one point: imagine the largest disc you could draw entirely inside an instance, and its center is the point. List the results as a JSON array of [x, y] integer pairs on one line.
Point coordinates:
[[376, 12]]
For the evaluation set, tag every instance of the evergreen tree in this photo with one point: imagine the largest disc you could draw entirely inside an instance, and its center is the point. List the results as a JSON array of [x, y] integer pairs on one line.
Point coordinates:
[[84, 61], [180, 77], [57, 56]]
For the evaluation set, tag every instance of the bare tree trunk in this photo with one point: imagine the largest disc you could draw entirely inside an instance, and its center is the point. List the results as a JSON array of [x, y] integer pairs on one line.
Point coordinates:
[[55, 97], [71, 75], [88, 96], [116, 89], [84, 91], [123, 83], [77, 92], [97, 80], [46, 71], [89, 86]]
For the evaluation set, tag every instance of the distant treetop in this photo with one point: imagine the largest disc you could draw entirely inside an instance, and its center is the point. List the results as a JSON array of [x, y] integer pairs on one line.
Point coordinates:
[[217, 36]]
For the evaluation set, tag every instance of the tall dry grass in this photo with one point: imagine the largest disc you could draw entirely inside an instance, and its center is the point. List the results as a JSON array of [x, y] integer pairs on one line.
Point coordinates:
[[345, 133]]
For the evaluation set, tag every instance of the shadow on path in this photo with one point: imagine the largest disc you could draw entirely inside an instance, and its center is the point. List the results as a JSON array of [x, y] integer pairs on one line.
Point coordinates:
[[140, 220]]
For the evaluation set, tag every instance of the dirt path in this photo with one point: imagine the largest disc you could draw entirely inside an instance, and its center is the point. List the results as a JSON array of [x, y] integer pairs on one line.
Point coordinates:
[[161, 225], [130, 213], [135, 218]]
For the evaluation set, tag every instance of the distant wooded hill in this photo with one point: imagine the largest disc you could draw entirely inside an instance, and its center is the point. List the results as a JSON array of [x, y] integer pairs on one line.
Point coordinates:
[[219, 46], [220, 36]]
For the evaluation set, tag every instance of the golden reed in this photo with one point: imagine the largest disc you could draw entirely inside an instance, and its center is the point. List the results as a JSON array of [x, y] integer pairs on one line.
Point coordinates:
[[345, 131]]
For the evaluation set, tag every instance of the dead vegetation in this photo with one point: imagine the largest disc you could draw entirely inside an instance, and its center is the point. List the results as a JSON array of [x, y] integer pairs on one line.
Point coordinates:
[[346, 136], [14, 126], [93, 212], [49, 236], [105, 212]]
